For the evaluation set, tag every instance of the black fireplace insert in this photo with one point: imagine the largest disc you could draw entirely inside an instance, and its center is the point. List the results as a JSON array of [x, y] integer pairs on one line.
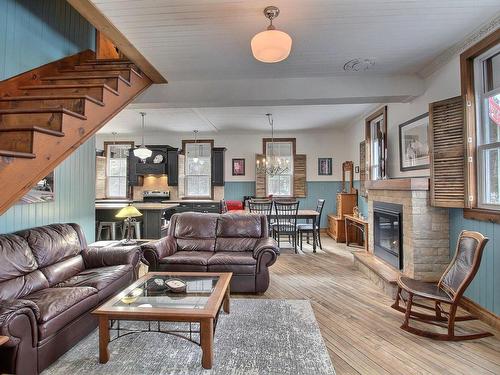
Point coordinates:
[[388, 232]]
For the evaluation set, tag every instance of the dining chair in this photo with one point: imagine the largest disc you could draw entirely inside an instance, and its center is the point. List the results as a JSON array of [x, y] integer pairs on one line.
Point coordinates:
[[223, 206], [307, 228], [263, 207], [449, 290], [285, 222]]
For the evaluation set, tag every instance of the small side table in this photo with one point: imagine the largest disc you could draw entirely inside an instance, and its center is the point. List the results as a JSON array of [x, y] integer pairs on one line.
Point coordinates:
[[359, 224], [3, 340]]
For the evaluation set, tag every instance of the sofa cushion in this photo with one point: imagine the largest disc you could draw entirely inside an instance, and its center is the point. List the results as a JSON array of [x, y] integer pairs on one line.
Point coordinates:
[[195, 231], [52, 243], [237, 262], [101, 279], [232, 258], [188, 257], [16, 258], [236, 244], [23, 285], [59, 306], [240, 226], [60, 271]]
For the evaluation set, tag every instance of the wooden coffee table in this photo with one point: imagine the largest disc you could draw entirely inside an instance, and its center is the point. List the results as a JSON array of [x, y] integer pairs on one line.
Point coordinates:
[[198, 307]]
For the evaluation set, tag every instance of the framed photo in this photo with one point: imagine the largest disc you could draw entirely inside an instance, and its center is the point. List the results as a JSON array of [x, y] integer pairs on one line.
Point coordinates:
[[238, 167], [414, 144], [324, 166], [42, 192]]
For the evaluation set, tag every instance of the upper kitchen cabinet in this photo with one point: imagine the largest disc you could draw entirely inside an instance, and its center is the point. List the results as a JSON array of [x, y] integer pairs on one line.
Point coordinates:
[[156, 164], [173, 166], [218, 166]]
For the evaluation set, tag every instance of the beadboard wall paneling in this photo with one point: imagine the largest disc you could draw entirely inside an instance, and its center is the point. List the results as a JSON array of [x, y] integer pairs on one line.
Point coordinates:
[[33, 33], [485, 289], [315, 190], [74, 203], [362, 202]]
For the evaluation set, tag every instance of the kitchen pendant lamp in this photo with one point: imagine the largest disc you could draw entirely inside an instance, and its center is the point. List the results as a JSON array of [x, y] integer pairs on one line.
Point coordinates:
[[142, 152], [271, 45]]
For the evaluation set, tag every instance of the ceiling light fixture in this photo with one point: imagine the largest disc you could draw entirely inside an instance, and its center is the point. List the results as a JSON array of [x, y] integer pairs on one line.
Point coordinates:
[[271, 164], [142, 152], [271, 45]]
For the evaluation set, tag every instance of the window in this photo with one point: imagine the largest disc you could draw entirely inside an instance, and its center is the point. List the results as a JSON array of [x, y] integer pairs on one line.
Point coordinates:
[[282, 184], [116, 169], [487, 95], [376, 144], [198, 169]]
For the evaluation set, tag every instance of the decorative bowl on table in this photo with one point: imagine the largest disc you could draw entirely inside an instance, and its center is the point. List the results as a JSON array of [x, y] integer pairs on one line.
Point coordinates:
[[132, 296], [176, 285]]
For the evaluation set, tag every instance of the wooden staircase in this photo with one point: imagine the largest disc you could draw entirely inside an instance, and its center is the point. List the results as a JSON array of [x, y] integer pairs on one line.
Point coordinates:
[[48, 112]]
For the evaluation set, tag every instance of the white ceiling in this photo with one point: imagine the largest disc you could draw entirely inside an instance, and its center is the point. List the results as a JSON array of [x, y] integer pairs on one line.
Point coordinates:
[[235, 119], [210, 39]]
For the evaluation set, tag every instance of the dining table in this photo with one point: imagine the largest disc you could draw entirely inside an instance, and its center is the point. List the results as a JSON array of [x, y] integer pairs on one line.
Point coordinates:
[[301, 215]]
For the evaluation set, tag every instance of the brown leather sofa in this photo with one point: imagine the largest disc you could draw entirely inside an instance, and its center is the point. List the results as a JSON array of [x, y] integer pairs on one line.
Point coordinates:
[[49, 283], [237, 243]]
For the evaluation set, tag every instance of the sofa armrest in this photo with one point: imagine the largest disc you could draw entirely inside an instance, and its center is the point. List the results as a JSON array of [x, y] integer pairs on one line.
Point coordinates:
[[153, 251], [18, 319], [94, 257], [266, 252]]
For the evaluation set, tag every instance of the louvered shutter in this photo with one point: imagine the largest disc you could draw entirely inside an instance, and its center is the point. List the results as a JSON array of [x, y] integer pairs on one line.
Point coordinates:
[[299, 176], [260, 180], [448, 152], [362, 169]]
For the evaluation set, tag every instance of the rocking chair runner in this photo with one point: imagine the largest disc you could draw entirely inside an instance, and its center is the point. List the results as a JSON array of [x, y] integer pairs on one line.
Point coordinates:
[[448, 290]]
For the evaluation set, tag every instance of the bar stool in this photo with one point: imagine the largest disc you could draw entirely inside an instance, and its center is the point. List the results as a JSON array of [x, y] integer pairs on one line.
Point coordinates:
[[135, 228], [109, 226]]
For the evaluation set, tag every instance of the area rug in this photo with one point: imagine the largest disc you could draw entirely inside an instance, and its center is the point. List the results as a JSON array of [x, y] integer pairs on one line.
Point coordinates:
[[258, 337]]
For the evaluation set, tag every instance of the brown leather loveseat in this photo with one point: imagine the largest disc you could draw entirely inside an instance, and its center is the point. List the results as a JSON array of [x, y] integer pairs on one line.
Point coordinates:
[[237, 243], [49, 283]]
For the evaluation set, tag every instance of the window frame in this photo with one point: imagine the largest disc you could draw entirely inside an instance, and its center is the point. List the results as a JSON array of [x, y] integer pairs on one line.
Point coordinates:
[[190, 141], [474, 210], [382, 112], [114, 143], [293, 142]]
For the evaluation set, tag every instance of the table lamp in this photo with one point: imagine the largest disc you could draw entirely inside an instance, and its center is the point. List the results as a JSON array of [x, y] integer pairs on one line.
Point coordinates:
[[128, 213]]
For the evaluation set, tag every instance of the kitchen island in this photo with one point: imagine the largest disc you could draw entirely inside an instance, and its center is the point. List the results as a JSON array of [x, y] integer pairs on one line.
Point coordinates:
[[153, 215]]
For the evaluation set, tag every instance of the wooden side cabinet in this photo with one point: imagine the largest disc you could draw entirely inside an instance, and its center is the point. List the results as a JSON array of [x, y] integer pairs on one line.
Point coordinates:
[[336, 222]]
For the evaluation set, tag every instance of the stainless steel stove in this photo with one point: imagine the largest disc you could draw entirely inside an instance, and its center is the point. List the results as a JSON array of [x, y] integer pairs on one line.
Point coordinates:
[[155, 196]]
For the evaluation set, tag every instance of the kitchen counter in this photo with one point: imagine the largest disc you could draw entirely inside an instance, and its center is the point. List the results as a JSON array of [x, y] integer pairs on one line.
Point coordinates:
[[139, 205]]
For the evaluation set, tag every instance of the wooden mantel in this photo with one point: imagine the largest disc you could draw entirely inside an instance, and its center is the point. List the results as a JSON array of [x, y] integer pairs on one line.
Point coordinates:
[[413, 183]]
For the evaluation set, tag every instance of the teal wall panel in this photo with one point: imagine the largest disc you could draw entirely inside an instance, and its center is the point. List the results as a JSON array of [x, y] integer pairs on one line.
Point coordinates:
[[315, 190], [485, 289], [36, 32], [33, 33], [74, 202], [362, 201]]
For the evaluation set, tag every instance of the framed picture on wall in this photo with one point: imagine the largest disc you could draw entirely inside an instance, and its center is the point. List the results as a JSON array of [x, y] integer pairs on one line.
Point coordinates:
[[324, 166], [42, 192], [238, 167], [414, 144]]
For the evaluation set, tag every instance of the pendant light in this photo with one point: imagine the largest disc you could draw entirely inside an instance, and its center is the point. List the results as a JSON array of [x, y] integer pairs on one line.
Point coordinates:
[[271, 164], [142, 152], [271, 45], [196, 151]]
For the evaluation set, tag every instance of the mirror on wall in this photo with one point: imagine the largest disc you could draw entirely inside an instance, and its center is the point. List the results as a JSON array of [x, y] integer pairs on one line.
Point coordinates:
[[376, 144]]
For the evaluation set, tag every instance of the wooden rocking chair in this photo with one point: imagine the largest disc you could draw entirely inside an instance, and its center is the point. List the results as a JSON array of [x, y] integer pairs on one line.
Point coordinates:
[[448, 290]]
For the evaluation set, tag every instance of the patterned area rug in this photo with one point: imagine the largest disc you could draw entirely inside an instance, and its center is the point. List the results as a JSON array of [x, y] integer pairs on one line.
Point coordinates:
[[258, 337]]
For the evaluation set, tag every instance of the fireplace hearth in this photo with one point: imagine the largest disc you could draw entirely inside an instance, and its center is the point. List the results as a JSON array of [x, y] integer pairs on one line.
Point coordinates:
[[388, 233]]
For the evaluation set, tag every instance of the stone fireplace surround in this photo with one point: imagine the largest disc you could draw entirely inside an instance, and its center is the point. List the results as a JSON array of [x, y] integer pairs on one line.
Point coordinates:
[[426, 243]]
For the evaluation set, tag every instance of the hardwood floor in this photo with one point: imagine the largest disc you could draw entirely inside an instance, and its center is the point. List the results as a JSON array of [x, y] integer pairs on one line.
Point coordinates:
[[360, 329]]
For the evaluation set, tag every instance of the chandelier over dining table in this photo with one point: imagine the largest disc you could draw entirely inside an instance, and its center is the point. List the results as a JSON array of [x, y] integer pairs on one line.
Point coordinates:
[[272, 164]]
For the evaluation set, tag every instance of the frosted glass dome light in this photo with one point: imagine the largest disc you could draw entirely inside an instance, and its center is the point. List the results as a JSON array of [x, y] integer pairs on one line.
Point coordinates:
[[271, 45]]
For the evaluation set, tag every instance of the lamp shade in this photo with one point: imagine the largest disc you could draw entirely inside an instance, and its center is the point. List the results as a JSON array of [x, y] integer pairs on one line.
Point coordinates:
[[129, 211], [271, 46], [143, 152]]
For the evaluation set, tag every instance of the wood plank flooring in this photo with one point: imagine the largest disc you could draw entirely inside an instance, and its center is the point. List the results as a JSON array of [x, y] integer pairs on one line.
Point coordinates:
[[360, 329]]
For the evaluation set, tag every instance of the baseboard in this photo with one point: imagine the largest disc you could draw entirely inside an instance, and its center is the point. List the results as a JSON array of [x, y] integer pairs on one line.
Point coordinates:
[[483, 314]]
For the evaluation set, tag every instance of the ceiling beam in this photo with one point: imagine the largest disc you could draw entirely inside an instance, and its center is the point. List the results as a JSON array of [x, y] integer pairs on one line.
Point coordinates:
[[346, 89], [92, 14]]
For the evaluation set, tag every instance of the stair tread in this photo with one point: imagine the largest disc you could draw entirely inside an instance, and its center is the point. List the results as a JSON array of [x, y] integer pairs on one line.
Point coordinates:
[[73, 86], [41, 110], [51, 97], [97, 76], [108, 60], [99, 70], [16, 154], [34, 128]]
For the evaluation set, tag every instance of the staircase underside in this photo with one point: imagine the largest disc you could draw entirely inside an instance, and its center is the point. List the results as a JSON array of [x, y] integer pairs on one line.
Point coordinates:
[[48, 112]]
